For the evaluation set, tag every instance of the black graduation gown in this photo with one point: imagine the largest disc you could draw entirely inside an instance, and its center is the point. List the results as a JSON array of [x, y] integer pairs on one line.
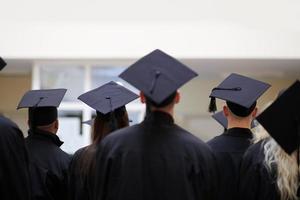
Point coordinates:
[[14, 166], [229, 149], [48, 165], [256, 183], [155, 159], [79, 182]]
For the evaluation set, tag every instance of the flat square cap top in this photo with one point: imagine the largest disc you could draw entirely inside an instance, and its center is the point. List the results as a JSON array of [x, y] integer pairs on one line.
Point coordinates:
[[239, 89], [282, 118], [158, 75], [42, 98], [2, 63], [108, 97]]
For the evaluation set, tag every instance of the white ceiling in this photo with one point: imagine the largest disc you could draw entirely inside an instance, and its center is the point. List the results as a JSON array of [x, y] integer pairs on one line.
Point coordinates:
[[126, 29], [256, 13]]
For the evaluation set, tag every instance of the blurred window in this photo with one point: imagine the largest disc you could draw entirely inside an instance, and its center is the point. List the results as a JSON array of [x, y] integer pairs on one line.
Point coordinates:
[[69, 77]]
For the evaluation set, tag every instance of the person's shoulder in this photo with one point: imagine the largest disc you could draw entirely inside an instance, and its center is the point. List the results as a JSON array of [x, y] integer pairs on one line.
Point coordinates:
[[187, 136], [255, 153], [64, 159], [255, 149], [191, 141], [6, 122], [78, 155], [65, 155], [121, 134], [79, 152], [60, 154], [8, 126], [215, 141]]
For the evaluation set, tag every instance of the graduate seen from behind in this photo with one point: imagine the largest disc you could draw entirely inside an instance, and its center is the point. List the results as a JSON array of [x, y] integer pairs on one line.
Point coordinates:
[[48, 163], [14, 164], [241, 94], [270, 168], [155, 159], [109, 101]]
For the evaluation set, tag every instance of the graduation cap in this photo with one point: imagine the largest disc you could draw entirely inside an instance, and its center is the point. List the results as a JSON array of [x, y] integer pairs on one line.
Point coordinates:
[[108, 98], [42, 105], [2, 63], [282, 121], [239, 92], [221, 119], [158, 75]]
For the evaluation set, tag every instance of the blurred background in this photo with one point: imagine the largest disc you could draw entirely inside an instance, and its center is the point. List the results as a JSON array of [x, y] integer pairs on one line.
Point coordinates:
[[80, 45]]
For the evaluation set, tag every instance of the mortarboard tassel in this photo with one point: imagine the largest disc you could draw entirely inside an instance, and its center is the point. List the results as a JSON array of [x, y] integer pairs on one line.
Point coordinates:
[[212, 105], [153, 84], [31, 123], [113, 123]]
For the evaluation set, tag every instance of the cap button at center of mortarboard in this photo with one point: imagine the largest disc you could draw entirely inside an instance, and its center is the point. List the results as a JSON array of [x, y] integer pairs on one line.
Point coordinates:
[[40, 100]]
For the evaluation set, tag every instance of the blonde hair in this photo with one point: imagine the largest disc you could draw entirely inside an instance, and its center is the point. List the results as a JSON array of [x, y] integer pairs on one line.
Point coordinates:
[[259, 133], [286, 168]]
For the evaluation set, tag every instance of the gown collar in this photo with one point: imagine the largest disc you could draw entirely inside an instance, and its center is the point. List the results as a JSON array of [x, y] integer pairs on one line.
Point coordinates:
[[159, 117], [45, 136], [239, 132]]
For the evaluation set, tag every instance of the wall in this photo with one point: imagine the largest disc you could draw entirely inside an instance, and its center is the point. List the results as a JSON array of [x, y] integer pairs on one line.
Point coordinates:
[[191, 112], [12, 88]]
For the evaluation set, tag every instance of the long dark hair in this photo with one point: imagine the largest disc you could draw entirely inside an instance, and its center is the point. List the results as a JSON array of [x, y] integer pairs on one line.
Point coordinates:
[[105, 124], [102, 127]]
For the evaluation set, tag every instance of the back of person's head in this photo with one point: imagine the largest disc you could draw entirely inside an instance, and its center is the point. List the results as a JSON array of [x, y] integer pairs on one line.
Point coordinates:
[[44, 118], [239, 116], [239, 110], [105, 124], [169, 100]]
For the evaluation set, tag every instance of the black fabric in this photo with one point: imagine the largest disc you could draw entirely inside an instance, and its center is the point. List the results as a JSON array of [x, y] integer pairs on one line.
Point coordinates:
[[256, 183], [166, 102], [42, 98], [41, 116], [2, 63], [239, 89], [158, 75], [282, 118], [229, 149], [14, 165], [108, 97], [49, 165], [79, 183], [154, 160]]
